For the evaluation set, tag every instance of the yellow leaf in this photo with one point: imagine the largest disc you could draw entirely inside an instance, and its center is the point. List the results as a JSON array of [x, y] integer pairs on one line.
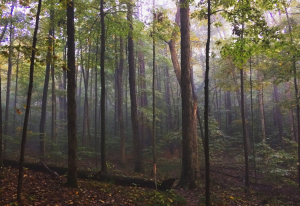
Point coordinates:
[[24, 106], [280, 64]]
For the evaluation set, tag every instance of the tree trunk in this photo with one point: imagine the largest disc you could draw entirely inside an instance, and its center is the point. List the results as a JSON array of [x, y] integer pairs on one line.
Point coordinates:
[[244, 132], [296, 95], [44, 103], [96, 105], [120, 103], [53, 128], [228, 113], [154, 99], [206, 114], [71, 94], [137, 153], [173, 52], [261, 107], [278, 116], [1, 135], [103, 121], [16, 92], [9, 72], [24, 133], [188, 122], [291, 115]]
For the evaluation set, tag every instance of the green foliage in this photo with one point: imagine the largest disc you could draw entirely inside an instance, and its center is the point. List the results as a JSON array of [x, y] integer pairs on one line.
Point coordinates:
[[277, 164]]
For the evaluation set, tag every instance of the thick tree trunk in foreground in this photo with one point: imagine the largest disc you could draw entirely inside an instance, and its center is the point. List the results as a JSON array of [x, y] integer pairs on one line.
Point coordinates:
[[24, 133], [71, 92], [188, 122], [137, 153]]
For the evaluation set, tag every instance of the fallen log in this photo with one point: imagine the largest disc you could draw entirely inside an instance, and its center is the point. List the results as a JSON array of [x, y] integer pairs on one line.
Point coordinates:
[[118, 180]]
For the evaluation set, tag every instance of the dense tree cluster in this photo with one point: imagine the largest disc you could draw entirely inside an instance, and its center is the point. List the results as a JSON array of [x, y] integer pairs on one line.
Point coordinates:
[[130, 80]]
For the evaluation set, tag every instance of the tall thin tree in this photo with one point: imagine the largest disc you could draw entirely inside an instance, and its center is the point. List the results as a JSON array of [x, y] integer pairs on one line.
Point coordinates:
[[206, 108], [154, 100], [103, 122], [29, 94], [71, 95], [137, 153]]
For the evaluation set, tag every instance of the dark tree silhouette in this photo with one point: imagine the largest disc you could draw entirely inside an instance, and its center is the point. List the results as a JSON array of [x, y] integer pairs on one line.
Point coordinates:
[[71, 107], [29, 94]]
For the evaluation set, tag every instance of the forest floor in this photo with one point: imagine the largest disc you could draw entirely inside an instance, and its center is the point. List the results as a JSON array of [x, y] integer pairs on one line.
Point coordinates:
[[227, 187], [41, 189]]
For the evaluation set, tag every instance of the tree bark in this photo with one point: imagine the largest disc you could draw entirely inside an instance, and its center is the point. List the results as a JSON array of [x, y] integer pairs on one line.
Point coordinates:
[[137, 153], [44, 102], [244, 132], [206, 114], [103, 121], [53, 118], [71, 94], [9, 72], [172, 48], [120, 102], [228, 113], [154, 98], [278, 116], [261, 107], [1, 134], [29, 94], [291, 115], [188, 124], [16, 92]]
